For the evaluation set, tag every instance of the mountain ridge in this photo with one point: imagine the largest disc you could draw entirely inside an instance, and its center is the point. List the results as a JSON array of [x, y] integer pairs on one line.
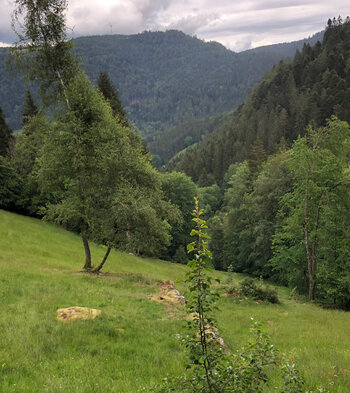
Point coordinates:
[[163, 78]]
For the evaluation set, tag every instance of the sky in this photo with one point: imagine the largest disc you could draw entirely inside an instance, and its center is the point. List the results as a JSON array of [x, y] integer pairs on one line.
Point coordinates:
[[237, 24]]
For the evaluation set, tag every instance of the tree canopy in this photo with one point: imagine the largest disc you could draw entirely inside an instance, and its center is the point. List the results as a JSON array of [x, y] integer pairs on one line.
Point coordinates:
[[311, 88], [91, 167], [6, 137]]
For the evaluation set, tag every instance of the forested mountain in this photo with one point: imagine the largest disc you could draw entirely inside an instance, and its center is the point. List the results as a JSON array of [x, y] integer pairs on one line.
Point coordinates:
[[312, 87], [174, 140], [163, 78]]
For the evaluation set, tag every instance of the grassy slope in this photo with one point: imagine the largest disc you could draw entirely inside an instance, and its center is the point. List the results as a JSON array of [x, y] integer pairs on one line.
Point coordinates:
[[133, 343]]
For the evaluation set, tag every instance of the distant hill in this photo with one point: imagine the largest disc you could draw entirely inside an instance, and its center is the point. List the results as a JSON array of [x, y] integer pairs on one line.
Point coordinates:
[[288, 49], [309, 89], [165, 145], [164, 78]]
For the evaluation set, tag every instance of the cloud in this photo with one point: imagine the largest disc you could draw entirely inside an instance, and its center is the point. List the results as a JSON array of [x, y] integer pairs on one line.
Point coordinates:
[[6, 34], [238, 25], [190, 24]]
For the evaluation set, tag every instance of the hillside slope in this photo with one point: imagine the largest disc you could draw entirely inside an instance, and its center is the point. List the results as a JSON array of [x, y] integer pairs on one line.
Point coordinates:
[[311, 88], [134, 341]]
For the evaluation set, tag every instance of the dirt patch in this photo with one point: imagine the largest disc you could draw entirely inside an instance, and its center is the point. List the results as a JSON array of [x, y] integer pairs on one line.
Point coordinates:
[[77, 313], [234, 294]]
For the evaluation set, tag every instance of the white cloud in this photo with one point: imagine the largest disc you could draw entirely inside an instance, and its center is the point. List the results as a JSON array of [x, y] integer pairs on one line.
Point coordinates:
[[238, 24]]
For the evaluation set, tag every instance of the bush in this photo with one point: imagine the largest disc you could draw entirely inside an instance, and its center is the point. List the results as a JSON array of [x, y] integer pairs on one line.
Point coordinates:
[[232, 290], [252, 288], [180, 256], [10, 185]]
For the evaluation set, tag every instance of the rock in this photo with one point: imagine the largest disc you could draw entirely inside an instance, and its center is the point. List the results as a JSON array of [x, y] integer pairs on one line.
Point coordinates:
[[77, 313], [169, 294]]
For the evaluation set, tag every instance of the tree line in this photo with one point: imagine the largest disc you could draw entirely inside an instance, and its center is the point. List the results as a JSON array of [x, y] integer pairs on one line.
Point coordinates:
[[284, 217]]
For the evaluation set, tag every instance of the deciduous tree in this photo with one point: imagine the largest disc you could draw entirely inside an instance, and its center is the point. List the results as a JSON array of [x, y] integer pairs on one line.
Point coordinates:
[[90, 164], [318, 162]]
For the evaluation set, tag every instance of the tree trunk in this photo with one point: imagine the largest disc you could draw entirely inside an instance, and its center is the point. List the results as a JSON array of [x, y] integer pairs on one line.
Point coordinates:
[[307, 242], [312, 270], [87, 265], [100, 266], [311, 251], [311, 286]]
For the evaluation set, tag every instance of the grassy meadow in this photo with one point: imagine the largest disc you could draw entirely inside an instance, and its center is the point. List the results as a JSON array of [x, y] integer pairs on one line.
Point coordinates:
[[133, 343]]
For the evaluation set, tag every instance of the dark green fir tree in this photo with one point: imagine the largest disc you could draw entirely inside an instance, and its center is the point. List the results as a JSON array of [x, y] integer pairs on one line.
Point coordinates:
[[257, 155], [30, 108], [110, 93], [6, 136]]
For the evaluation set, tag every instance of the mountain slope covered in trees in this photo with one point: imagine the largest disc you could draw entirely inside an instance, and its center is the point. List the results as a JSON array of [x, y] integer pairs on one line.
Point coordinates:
[[282, 163], [163, 78], [312, 87]]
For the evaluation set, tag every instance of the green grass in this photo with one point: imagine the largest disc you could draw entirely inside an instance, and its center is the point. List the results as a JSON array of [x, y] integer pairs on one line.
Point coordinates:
[[133, 342]]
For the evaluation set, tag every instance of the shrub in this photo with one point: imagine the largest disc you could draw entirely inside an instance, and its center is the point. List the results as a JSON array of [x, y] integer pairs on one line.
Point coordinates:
[[232, 290], [252, 288]]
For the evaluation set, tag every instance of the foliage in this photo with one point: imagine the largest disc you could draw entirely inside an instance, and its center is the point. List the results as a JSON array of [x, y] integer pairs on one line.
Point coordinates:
[[252, 288], [242, 229], [175, 140], [164, 78], [244, 371], [10, 185], [42, 52], [6, 137], [30, 108], [109, 92], [312, 236], [179, 190], [141, 220], [309, 89], [92, 167], [287, 219], [203, 354], [212, 199], [102, 184], [28, 145]]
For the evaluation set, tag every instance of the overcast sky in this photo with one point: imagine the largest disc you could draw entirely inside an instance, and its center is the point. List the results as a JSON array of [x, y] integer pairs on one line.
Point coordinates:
[[237, 24]]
